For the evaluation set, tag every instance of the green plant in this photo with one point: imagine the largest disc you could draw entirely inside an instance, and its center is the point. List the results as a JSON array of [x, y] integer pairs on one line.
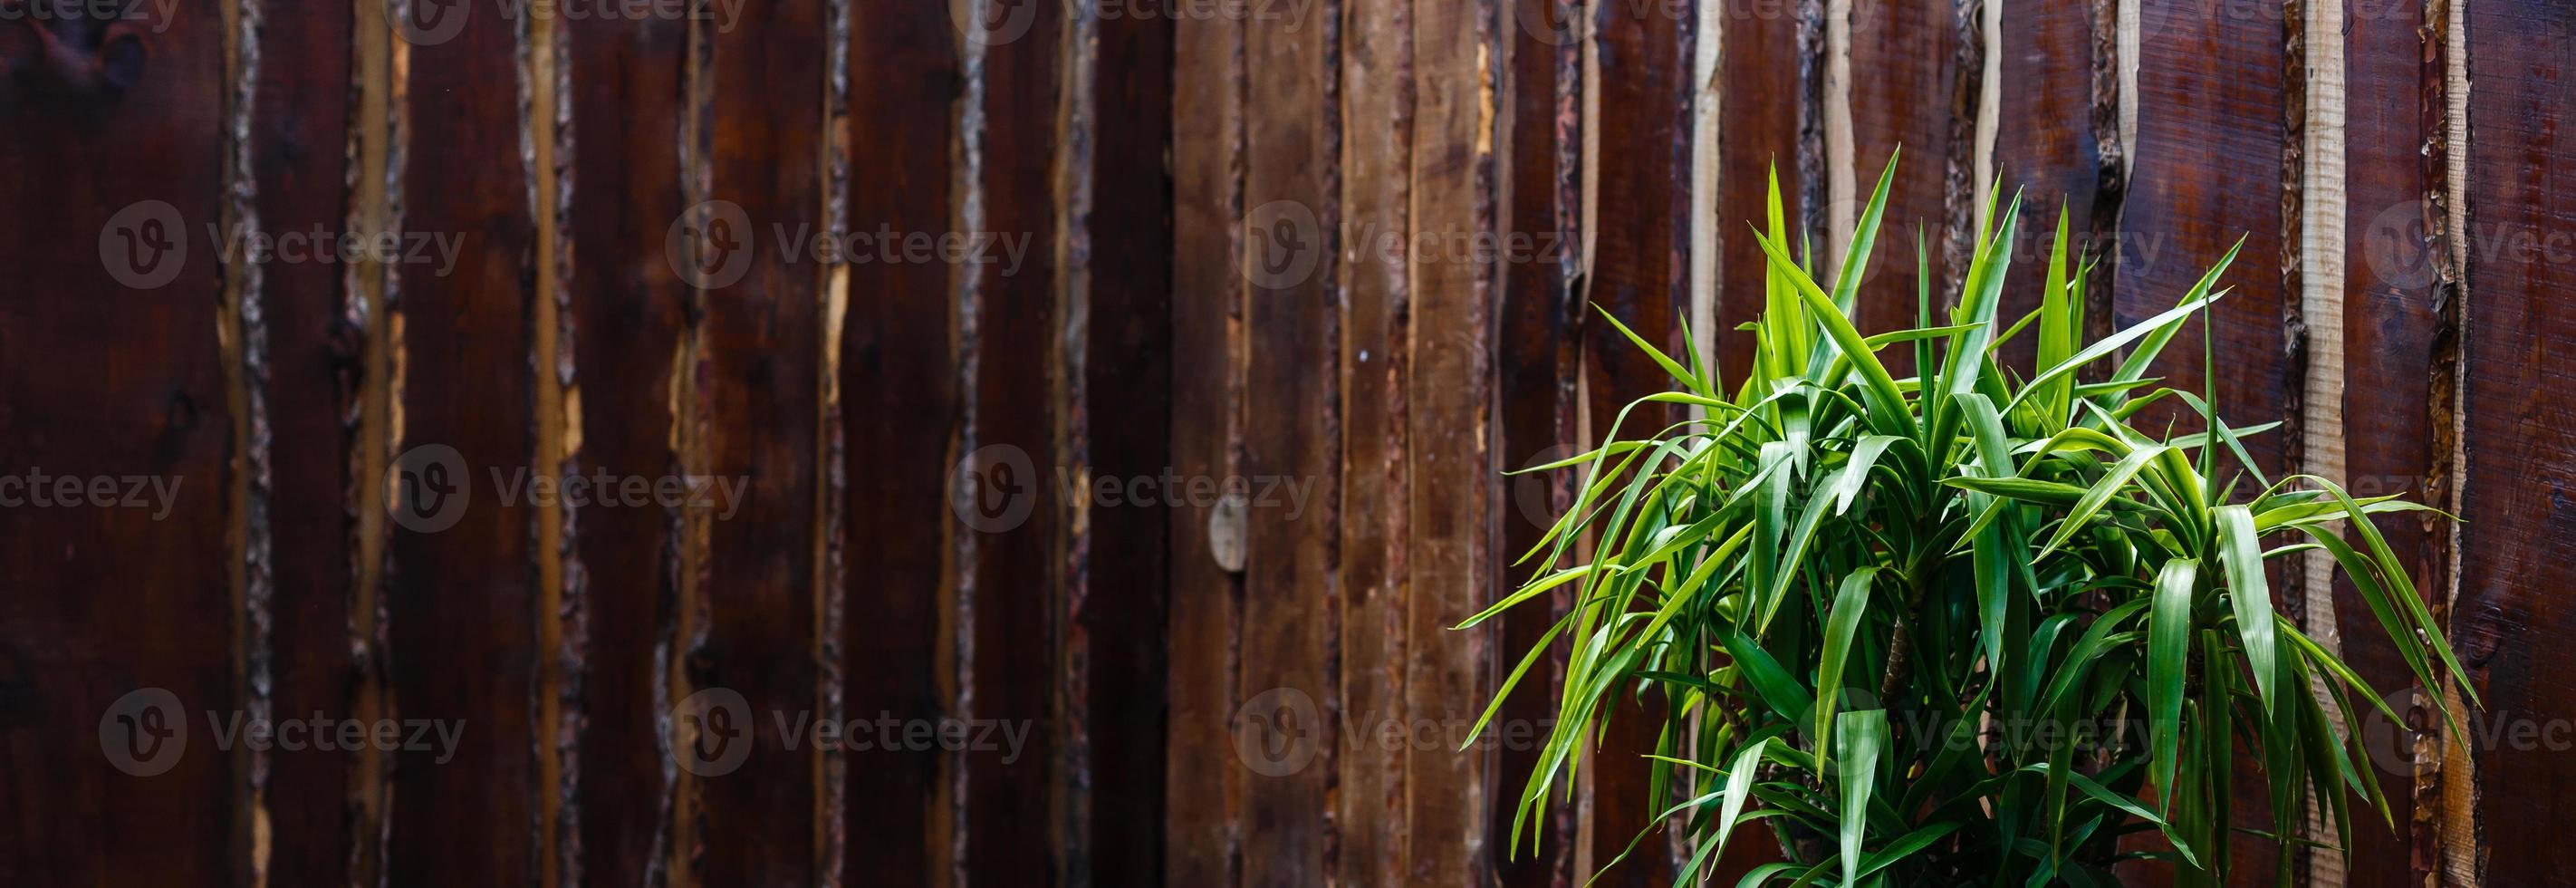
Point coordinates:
[[1960, 628]]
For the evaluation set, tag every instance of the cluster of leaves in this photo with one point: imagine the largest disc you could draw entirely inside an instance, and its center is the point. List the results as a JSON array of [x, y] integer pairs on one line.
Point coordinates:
[[1962, 627]]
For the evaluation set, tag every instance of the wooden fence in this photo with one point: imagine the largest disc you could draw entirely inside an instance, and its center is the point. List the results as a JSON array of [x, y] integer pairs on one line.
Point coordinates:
[[1017, 442]]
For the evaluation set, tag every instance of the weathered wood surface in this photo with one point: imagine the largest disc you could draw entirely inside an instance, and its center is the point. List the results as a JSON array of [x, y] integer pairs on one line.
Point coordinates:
[[2517, 327], [2048, 146], [1292, 432], [109, 367]]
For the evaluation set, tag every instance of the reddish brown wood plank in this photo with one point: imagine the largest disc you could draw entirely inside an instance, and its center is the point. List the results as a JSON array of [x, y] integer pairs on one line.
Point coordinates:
[[626, 303], [1638, 275], [899, 424], [1128, 418], [461, 602], [1759, 77], [1204, 777], [2389, 324], [1015, 569], [759, 376], [1292, 428], [299, 132], [109, 367], [2517, 331], [1377, 203], [1449, 538], [1904, 61], [2208, 171], [2047, 147], [1534, 367]]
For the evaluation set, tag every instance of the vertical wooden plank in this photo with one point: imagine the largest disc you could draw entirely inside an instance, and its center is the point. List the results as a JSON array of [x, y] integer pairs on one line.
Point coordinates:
[[1761, 111], [1639, 276], [1377, 205], [1534, 375], [1127, 397], [299, 132], [461, 601], [759, 376], [2517, 328], [2209, 170], [1449, 543], [2050, 144], [899, 421], [1292, 429], [1904, 94], [125, 162], [1204, 776], [1010, 632], [2389, 327], [627, 300]]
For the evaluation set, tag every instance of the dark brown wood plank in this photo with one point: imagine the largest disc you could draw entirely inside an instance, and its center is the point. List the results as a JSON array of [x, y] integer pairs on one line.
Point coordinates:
[[109, 367], [759, 377], [899, 416], [1449, 543], [1759, 105], [1127, 416], [461, 602], [627, 303], [1377, 203], [1292, 428], [2047, 146], [1904, 62], [299, 134], [2389, 327], [1534, 372], [2518, 327], [1204, 777], [1016, 570], [2208, 171], [1638, 276]]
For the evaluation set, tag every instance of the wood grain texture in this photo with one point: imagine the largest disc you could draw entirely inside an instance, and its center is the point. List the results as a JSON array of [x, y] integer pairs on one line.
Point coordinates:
[[1292, 433], [1204, 778], [2046, 147], [1905, 63], [1378, 202], [2389, 325], [1011, 626], [1534, 378], [1639, 277], [1449, 543], [86, 144], [1759, 94], [627, 303], [461, 603], [2208, 171], [1126, 388], [299, 133], [2517, 329], [899, 424], [757, 395]]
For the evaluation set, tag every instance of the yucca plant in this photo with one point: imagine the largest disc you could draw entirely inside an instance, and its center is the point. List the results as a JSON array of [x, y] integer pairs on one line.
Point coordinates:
[[1963, 628]]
